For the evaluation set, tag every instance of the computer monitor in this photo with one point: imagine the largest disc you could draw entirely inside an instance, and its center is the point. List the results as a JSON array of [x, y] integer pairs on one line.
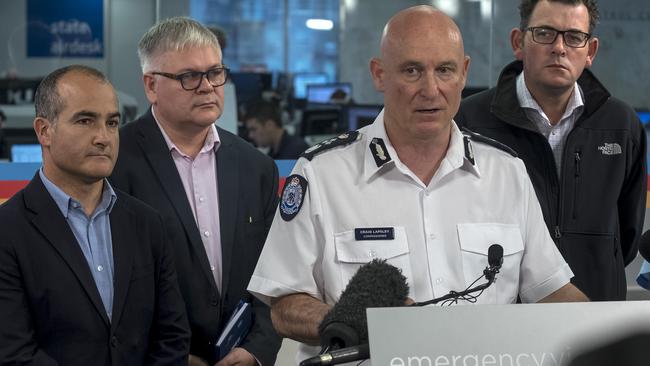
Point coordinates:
[[26, 153], [250, 85], [301, 80], [361, 115], [322, 122], [18, 91], [322, 93]]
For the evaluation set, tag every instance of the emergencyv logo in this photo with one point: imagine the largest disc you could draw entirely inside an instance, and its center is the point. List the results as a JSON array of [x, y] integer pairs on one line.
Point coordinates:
[[610, 149]]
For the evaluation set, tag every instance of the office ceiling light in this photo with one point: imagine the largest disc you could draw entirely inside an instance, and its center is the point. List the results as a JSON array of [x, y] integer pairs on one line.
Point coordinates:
[[320, 24]]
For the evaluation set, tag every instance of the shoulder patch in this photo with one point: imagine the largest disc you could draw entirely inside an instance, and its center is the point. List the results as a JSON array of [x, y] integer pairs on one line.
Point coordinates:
[[293, 195], [340, 140], [486, 140]]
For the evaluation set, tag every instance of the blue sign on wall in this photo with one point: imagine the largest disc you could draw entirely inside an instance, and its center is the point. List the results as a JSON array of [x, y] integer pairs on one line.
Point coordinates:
[[65, 28]]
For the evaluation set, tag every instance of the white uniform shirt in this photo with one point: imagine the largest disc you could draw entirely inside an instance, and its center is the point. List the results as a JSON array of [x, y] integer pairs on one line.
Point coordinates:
[[441, 231]]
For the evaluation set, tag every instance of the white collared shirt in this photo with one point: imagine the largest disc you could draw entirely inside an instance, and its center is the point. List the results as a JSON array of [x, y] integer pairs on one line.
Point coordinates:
[[442, 230], [556, 135]]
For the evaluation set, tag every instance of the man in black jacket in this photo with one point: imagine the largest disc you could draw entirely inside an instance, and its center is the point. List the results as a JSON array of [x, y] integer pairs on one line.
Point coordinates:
[[585, 151]]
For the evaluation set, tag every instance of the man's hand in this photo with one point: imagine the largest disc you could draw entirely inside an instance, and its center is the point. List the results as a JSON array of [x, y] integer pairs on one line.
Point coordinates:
[[238, 357], [196, 361]]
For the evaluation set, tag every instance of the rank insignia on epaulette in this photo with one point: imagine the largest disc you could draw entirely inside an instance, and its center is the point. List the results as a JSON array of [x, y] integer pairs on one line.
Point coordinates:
[[340, 140], [469, 151], [293, 195], [379, 151]]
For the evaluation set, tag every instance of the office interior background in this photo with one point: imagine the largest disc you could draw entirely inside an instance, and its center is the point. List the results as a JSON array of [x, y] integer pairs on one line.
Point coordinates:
[[271, 50]]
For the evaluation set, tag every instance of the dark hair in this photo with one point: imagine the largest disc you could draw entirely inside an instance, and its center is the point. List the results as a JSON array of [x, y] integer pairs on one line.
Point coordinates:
[[527, 6], [221, 36], [47, 101], [263, 110]]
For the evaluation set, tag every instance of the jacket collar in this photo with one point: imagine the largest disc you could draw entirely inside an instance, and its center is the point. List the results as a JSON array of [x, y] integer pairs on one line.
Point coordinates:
[[153, 145], [505, 104], [47, 219]]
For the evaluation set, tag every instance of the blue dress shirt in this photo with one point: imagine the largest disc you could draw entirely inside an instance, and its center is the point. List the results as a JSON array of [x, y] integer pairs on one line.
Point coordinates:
[[93, 235], [644, 276]]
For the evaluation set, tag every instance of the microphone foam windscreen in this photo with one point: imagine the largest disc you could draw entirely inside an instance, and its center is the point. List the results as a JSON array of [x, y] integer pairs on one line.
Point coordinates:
[[376, 284], [495, 255]]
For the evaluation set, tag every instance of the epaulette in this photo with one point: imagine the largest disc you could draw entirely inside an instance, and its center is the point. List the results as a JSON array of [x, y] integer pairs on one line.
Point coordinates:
[[486, 140], [340, 140]]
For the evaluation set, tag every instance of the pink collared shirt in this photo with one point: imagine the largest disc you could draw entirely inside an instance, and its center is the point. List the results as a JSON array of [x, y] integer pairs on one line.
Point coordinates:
[[199, 177]]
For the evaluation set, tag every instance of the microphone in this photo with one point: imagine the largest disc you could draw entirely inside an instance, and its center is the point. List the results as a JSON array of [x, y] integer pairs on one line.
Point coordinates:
[[495, 255], [495, 260], [339, 356], [644, 245], [375, 284]]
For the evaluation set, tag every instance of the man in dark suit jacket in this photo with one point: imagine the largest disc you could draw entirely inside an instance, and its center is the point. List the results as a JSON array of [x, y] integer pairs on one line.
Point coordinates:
[[86, 277], [216, 193]]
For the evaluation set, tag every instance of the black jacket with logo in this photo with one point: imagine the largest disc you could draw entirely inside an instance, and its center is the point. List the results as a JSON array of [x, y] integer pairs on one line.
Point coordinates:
[[595, 211]]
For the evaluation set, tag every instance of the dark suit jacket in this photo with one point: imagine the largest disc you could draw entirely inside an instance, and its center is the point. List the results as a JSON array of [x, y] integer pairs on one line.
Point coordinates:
[[247, 189], [50, 309]]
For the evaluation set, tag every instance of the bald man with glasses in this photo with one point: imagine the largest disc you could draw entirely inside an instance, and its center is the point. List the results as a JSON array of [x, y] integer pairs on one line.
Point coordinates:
[[585, 151], [215, 191]]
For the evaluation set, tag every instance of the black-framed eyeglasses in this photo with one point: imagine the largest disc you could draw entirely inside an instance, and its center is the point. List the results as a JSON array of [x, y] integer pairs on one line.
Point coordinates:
[[547, 35], [191, 80]]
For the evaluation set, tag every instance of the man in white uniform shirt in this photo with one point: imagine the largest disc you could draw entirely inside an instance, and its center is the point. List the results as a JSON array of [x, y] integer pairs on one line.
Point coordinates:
[[439, 198]]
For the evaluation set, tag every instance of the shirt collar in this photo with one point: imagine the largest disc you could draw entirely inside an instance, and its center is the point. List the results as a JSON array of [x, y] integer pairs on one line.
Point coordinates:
[[526, 99], [454, 158], [212, 140], [66, 203]]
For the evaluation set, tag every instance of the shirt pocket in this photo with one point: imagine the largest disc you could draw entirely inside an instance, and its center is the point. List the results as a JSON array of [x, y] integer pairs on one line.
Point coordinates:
[[351, 254], [475, 239]]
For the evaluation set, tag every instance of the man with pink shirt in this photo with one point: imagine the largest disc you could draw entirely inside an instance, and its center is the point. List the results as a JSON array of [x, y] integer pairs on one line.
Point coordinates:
[[216, 192]]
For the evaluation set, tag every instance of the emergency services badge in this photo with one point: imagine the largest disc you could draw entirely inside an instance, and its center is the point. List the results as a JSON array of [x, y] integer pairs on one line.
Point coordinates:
[[293, 195]]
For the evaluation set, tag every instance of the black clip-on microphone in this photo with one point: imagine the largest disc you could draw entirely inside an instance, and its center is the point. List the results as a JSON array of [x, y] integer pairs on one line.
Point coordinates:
[[495, 260]]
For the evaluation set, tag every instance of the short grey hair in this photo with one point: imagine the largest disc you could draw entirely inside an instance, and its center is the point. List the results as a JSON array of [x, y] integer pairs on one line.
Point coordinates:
[[173, 34], [48, 103]]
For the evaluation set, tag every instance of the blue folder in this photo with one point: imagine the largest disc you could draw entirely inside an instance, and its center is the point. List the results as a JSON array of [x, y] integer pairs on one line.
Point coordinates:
[[235, 331]]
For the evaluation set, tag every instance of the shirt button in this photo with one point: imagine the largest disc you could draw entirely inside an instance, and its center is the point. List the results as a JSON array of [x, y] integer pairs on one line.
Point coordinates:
[[432, 236], [372, 254], [100, 268], [438, 281], [206, 233], [212, 268], [201, 199]]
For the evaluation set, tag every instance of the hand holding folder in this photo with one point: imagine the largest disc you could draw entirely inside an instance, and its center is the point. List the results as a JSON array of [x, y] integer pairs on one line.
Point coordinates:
[[235, 331]]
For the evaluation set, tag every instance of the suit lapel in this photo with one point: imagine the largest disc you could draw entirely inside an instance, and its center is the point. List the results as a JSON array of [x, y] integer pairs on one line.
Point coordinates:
[[228, 183], [49, 221], [155, 148], [123, 229]]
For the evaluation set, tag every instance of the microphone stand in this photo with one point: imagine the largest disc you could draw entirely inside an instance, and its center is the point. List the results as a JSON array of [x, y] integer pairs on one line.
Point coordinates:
[[490, 275]]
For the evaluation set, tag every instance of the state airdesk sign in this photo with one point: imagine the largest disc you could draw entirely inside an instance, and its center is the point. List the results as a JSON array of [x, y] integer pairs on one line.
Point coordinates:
[[65, 28]]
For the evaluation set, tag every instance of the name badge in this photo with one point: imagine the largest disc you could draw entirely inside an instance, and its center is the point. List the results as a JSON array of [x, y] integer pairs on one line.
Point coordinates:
[[374, 233]]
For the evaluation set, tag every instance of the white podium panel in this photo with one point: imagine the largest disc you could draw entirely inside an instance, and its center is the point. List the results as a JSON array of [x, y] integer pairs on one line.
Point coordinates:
[[499, 335]]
